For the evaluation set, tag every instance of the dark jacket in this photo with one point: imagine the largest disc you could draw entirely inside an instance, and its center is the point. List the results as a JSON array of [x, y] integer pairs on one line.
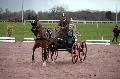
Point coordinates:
[[116, 31]]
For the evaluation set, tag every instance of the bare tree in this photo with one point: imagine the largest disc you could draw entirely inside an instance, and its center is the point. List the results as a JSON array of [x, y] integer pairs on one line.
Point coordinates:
[[109, 15], [57, 11]]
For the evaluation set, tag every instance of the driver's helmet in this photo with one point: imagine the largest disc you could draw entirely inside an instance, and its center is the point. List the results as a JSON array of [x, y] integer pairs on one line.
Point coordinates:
[[71, 20], [63, 17], [71, 24]]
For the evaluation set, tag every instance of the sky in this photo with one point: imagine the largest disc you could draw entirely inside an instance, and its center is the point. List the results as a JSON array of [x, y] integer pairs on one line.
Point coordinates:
[[71, 5]]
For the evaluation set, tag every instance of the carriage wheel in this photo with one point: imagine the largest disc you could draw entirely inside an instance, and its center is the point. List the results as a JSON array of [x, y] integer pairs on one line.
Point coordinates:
[[82, 51], [74, 53]]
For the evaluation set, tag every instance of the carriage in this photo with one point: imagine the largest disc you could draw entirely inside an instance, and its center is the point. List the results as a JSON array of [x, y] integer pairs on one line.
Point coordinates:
[[69, 43], [63, 39]]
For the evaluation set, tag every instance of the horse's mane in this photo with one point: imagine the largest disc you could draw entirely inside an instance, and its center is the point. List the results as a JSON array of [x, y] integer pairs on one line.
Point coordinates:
[[34, 24]]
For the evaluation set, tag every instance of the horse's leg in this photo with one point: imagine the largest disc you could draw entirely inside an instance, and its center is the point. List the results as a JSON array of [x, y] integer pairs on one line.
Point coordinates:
[[42, 54], [52, 53], [35, 46], [53, 59], [80, 56], [47, 53], [45, 57]]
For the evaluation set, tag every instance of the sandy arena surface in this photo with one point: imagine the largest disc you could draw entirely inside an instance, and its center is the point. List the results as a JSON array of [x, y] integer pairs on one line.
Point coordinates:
[[103, 62]]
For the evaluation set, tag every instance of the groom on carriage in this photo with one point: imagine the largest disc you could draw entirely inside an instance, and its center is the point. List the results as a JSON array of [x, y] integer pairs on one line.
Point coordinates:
[[66, 29]]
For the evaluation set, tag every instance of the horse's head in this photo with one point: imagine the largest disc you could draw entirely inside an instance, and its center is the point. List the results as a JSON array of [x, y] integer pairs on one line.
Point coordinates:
[[34, 29]]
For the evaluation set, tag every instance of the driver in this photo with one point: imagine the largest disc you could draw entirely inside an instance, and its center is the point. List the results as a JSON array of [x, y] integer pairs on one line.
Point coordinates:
[[63, 26]]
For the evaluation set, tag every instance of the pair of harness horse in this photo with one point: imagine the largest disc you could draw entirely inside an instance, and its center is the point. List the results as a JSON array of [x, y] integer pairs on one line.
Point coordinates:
[[45, 38], [56, 41]]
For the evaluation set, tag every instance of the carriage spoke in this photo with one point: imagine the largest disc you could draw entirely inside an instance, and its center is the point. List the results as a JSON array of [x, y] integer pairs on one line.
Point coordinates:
[[82, 51], [74, 53]]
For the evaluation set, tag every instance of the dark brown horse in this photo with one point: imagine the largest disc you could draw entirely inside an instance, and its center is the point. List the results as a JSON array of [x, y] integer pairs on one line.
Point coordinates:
[[42, 40], [53, 45], [48, 45], [45, 38]]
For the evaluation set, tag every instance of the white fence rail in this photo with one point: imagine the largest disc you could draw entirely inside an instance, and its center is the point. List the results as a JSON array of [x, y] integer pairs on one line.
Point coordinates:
[[7, 39], [102, 42], [75, 21], [28, 40]]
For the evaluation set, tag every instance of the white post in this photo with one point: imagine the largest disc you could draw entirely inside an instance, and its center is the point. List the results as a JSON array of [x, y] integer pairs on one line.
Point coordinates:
[[22, 11], [63, 14], [102, 37], [92, 22], [116, 14], [84, 22], [97, 25], [24, 22]]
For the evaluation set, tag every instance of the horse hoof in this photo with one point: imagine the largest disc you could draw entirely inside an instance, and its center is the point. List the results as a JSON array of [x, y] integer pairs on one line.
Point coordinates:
[[81, 60], [33, 61], [44, 64], [53, 62]]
